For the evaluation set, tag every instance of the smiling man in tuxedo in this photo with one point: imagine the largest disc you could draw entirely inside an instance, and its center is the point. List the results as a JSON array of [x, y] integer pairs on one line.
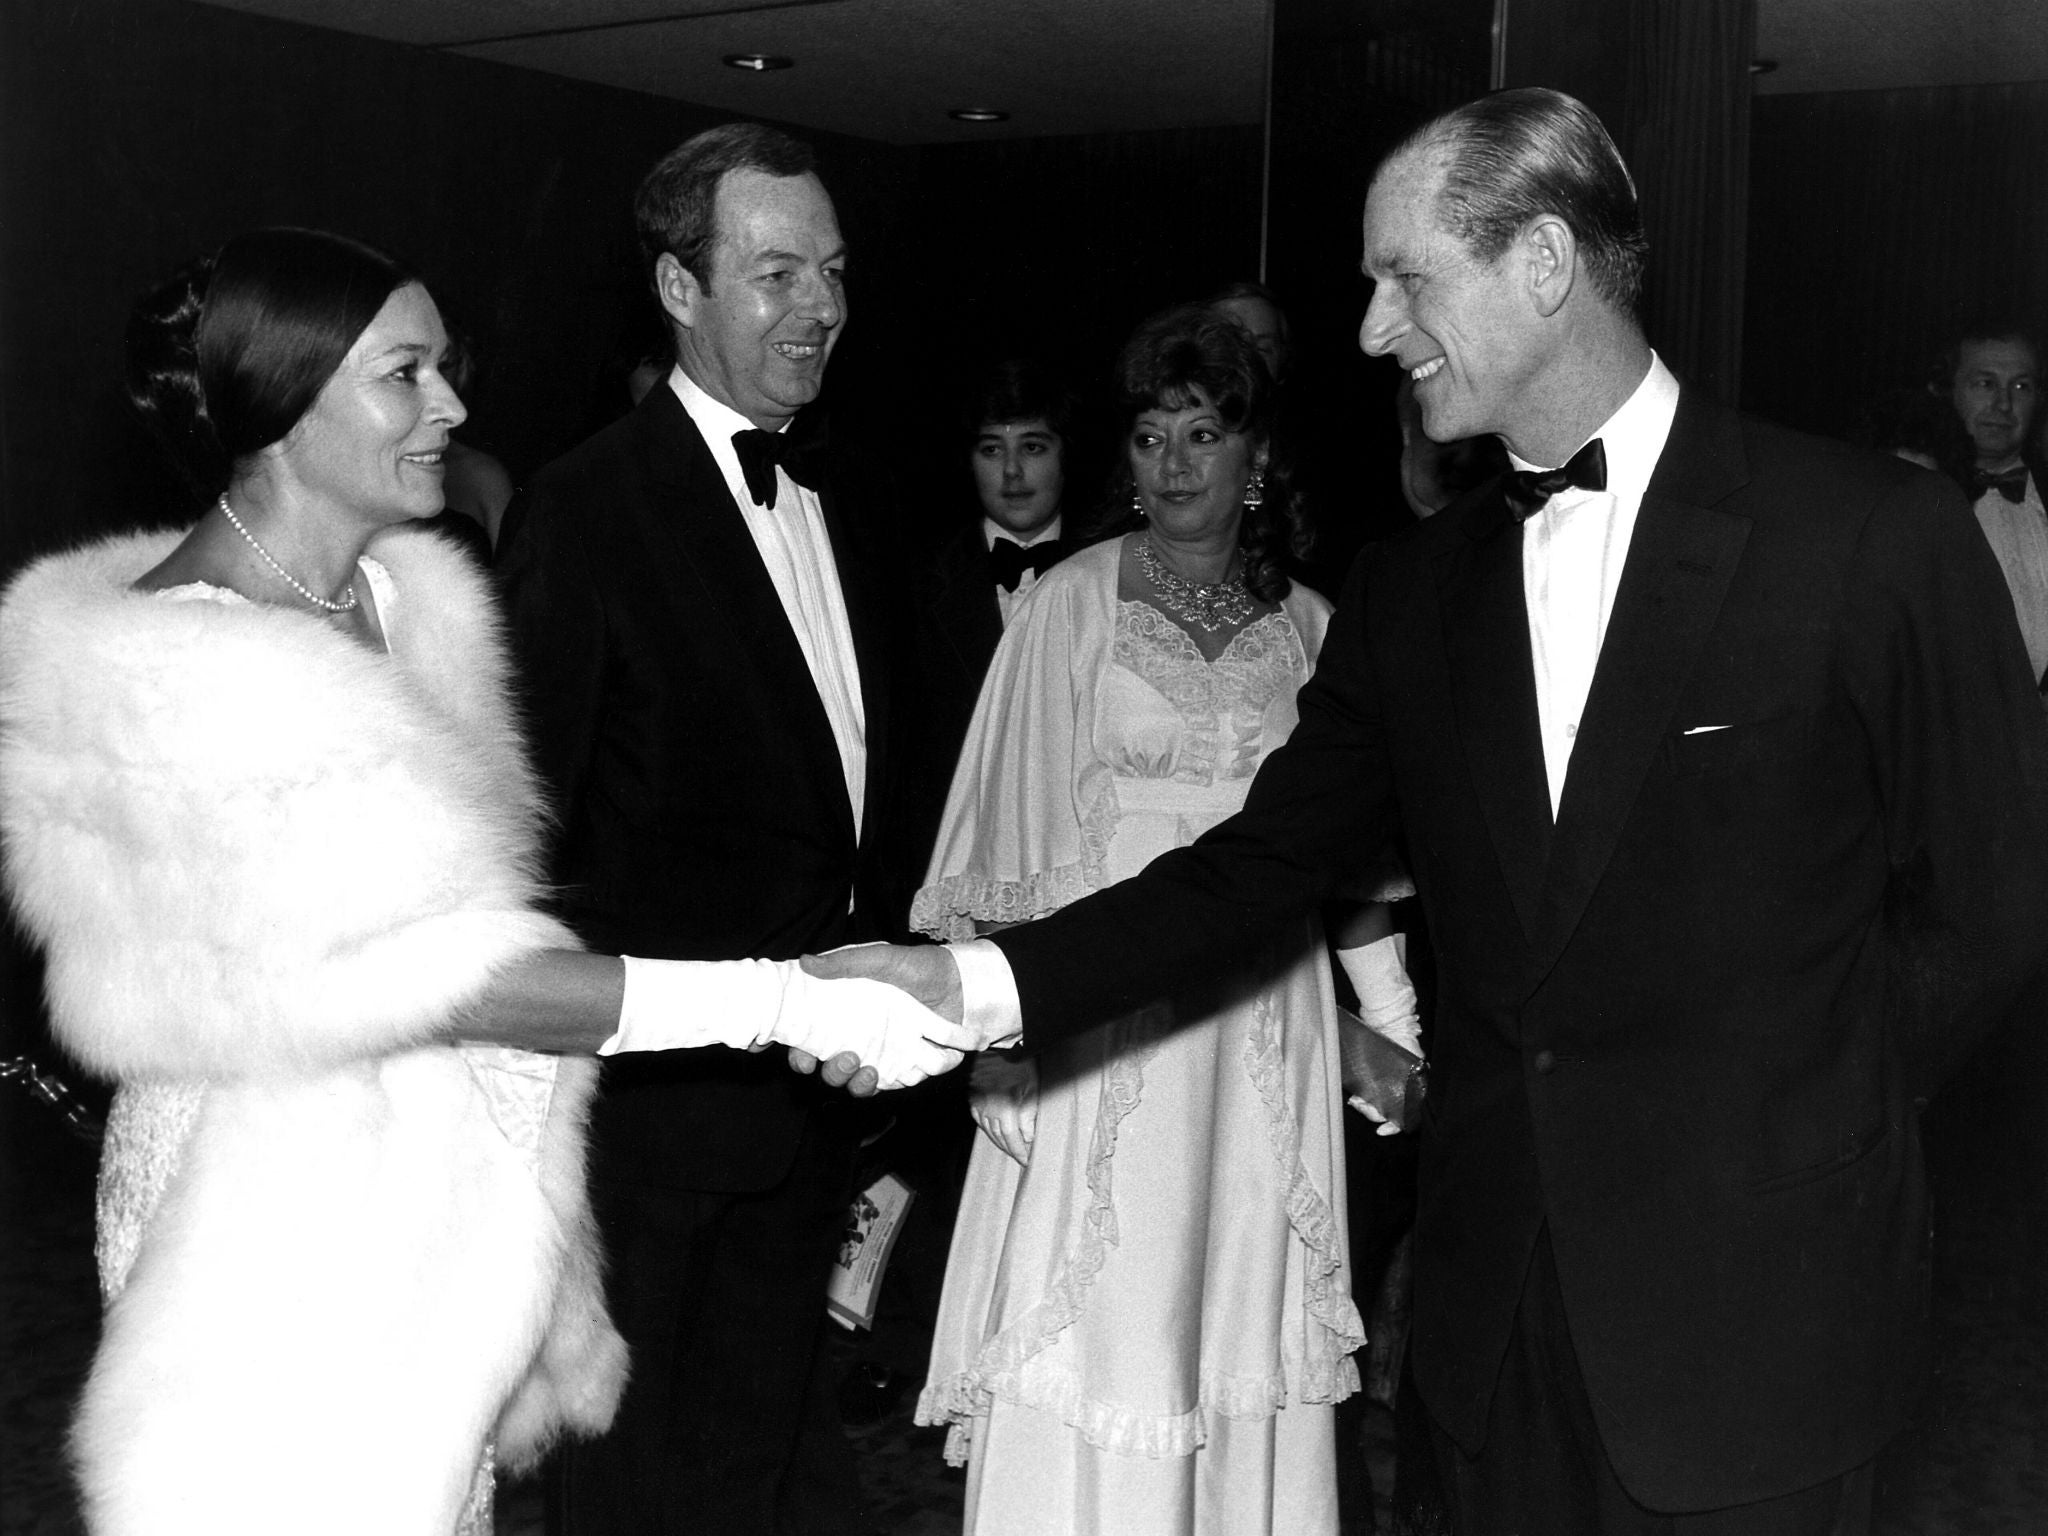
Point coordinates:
[[698, 603], [1722, 779]]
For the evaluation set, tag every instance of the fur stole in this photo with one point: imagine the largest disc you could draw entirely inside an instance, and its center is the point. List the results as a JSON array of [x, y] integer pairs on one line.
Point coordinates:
[[261, 858]]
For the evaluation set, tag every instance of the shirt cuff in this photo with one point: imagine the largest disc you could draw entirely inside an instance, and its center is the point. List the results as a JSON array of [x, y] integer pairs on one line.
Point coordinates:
[[988, 994]]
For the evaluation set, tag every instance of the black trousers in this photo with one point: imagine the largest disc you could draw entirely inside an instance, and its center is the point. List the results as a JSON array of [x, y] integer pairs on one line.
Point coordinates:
[[1543, 1470], [728, 1426]]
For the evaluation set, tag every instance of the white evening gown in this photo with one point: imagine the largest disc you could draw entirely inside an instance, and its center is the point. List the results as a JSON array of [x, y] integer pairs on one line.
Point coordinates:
[[1144, 1330]]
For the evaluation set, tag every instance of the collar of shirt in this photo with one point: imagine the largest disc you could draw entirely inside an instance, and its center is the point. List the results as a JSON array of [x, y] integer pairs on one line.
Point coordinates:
[[1633, 437], [717, 421], [991, 530]]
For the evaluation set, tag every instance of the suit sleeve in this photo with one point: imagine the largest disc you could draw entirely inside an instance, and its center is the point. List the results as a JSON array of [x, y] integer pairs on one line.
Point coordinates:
[[1320, 808], [557, 620], [1935, 668]]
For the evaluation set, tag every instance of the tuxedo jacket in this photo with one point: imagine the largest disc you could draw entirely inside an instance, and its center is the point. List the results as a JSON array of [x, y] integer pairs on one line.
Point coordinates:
[[1798, 866], [702, 807]]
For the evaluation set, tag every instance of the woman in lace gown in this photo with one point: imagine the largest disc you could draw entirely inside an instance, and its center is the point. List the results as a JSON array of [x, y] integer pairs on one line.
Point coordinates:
[[266, 812], [1147, 1314]]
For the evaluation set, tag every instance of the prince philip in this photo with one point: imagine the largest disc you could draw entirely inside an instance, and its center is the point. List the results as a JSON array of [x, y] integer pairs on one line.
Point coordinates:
[[1721, 775]]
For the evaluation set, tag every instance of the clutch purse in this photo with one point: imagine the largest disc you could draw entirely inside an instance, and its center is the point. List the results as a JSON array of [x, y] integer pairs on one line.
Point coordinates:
[[1389, 1077]]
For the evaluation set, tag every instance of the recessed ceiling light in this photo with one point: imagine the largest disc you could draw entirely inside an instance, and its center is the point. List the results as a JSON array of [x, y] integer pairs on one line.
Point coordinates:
[[1762, 66], [978, 115], [759, 62]]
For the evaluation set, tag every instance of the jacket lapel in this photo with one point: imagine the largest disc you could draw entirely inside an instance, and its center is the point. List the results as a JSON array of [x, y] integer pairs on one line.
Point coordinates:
[[1493, 695], [1681, 559], [963, 600]]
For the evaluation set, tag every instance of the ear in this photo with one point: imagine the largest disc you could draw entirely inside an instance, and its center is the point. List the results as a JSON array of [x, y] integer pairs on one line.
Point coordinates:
[[1260, 452], [1552, 258], [677, 288]]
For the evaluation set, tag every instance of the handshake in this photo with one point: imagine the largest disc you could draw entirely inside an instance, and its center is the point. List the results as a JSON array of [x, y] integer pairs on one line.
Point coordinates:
[[870, 1016]]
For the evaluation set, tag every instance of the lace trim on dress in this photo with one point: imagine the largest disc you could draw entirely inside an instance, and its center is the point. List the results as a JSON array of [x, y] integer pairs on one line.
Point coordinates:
[[1044, 1388], [1003, 1358], [518, 1087], [1329, 1373], [949, 909], [147, 1132]]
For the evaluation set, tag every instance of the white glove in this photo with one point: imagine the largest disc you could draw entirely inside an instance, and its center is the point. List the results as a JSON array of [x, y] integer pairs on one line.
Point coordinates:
[[681, 1004], [1002, 1095], [1386, 997], [1386, 1002]]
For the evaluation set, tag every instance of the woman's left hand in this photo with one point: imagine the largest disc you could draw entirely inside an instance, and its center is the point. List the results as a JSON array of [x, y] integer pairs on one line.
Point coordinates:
[[1003, 1097]]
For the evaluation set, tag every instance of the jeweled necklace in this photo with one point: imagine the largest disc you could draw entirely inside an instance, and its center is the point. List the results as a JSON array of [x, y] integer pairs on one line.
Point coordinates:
[[1211, 604], [344, 606]]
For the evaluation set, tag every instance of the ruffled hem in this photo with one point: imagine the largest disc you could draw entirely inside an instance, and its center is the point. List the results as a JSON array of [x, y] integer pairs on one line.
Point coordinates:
[[961, 1399], [1123, 1083], [1308, 1210], [948, 909]]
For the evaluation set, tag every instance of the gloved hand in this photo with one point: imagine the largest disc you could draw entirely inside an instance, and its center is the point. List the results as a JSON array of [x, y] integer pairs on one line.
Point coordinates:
[[1002, 1095], [748, 1004], [1386, 1003]]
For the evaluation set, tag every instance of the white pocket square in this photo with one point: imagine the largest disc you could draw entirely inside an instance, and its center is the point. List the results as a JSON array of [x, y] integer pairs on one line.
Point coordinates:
[[1701, 730]]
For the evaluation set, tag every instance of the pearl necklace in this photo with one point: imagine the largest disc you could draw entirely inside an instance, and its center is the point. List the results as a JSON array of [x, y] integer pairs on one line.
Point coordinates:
[[1210, 604], [347, 603]]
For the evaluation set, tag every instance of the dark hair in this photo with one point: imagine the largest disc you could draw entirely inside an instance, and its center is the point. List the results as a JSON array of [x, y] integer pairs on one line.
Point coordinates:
[[1515, 155], [225, 357], [1022, 389], [1191, 349], [1230, 293], [675, 209], [1986, 328]]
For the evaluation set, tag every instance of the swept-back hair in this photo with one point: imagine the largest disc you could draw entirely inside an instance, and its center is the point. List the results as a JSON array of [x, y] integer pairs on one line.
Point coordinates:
[[675, 209], [225, 357], [1518, 154]]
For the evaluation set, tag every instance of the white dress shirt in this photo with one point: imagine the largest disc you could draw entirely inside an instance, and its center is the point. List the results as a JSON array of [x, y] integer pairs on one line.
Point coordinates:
[[991, 530], [2017, 532], [1572, 554], [798, 553], [1573, 551]]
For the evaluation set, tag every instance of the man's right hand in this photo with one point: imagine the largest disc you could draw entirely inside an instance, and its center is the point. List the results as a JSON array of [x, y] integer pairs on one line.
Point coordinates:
[[925, 971]]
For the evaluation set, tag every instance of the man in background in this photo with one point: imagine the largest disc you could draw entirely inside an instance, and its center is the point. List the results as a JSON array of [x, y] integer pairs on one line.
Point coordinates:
[[1993, 375]]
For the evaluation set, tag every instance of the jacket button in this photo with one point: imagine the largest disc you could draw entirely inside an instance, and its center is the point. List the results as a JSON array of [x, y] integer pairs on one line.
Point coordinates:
[[1544, 1061]]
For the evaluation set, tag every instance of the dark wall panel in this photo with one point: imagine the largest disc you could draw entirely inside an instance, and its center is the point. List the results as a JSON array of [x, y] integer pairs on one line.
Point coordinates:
[[1879, 220]]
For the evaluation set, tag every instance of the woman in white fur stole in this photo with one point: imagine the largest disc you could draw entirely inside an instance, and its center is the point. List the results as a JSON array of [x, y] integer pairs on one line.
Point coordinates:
[[266, 811]]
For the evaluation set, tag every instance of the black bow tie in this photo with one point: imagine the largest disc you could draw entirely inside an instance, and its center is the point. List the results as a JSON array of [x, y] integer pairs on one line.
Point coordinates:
[[2011, 483], [1009, 560], [798, 453], [1527, 490]]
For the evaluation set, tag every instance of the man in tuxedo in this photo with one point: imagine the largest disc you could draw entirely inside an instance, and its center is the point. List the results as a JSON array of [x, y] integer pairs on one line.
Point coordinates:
[[1018, 430], [1994, 382], [1722, 780], [696, 598]]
